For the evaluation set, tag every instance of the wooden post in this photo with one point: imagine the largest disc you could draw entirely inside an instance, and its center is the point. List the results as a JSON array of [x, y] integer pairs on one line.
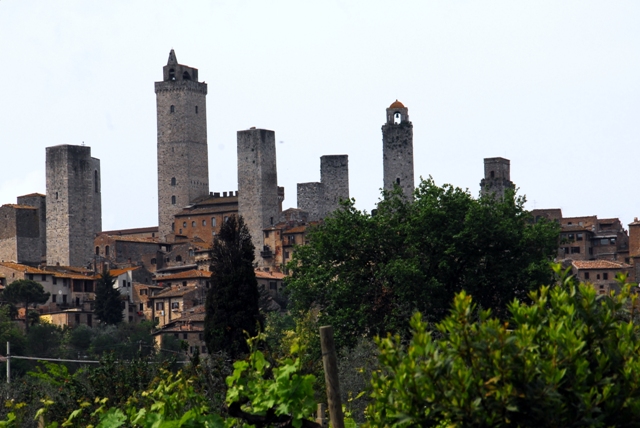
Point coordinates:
[[330, 363], [8, 363]]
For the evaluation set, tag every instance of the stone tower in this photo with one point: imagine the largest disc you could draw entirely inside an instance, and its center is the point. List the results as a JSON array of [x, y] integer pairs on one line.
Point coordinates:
[[397, 149], [497, 177], [74, 205], [321, 199], [183, 167], [257, 183]]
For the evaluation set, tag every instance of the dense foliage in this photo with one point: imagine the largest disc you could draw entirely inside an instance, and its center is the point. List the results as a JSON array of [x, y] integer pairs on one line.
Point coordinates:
[[25, 292], [568, 359], [232, 306], [108, 305], [367, 274]]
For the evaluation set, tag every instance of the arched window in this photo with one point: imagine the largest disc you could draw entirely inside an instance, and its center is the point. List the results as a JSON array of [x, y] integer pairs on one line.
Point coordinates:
[[185, 76], [184, 224], [173, 181], [97, 251], [398, 181], [213, 222], [172, 74], [173, 200], [204, 222], [172, 109], [193, 224], [95, 181], [106, 251], [397, 118]]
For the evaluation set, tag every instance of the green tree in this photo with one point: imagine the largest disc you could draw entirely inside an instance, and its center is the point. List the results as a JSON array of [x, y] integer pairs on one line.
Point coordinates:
[[367, 274], [108, 306], [25, 292], [567, 359], [232, 306]]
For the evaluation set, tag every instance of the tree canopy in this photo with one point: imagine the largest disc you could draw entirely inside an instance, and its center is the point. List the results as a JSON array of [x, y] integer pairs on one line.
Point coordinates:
[[367, 274], [232, 306], [108, 306], [26, 292]]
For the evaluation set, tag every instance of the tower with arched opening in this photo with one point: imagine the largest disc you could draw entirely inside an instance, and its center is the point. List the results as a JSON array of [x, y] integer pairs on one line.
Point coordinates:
[[397, 149], [183, 168]]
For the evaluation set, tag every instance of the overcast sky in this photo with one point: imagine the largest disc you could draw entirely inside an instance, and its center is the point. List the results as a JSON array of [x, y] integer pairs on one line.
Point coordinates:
[[552, 86]]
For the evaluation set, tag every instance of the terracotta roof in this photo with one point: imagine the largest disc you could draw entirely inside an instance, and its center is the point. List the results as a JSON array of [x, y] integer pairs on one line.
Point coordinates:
[[269, 275], [174, 292], [24, 268], [194, 273], [32, 194], [599, 264], [135, 239], [396, 104], [297, 229], [134, 231], [118, 272]]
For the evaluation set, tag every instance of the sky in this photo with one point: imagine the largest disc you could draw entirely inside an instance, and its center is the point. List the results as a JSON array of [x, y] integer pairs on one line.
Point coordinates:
[[552, 86]]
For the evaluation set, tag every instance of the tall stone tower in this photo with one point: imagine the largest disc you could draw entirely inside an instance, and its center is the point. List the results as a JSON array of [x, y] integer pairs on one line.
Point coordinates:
[[321, 199], [183, 167], [497, 177], [257, 183], [74, 204], [397, 149]]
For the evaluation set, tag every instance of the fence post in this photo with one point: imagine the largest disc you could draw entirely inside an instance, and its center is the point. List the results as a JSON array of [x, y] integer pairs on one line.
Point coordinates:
[[330, 363], [8, 363], [320, 415]]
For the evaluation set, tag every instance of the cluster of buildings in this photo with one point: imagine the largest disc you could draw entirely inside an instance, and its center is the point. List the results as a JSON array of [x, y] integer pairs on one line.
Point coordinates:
[[162, 272]]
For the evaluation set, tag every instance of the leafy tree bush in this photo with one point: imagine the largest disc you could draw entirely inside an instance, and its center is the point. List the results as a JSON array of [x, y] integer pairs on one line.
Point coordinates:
[[108, 305], [25, 292], [367, 274], [567, 359], [232, 306]]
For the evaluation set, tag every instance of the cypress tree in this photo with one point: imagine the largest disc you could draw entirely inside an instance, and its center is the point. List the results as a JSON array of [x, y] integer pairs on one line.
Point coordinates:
[[232, 306], [108, 307]]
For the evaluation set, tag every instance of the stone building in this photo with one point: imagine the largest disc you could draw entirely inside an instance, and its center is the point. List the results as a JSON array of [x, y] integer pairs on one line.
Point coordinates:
[[21, 234], [188, 328], [73, 204], [397, 150], [203, 218], [497, 177], [600, 273], [258, 199], [183, 169], [321, 199]]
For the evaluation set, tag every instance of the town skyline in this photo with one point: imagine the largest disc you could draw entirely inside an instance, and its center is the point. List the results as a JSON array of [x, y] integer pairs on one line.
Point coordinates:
[[550, 87]]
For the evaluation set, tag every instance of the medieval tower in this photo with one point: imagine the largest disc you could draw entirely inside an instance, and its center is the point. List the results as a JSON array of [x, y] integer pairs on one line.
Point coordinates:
[[397, 149], [321, 199], [497, 177], [73, 204], [258, 200], [183, 167]]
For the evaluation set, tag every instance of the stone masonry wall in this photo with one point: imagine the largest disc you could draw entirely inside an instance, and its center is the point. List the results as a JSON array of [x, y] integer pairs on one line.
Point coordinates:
[[397, 152], [39, 202], [310, 197], [334, 176], [183, 169], [257, 183], [497, 176], [70, 173]]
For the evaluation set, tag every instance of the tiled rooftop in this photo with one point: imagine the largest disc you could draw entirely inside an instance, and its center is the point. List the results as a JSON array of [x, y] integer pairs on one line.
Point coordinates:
[[599, 264]]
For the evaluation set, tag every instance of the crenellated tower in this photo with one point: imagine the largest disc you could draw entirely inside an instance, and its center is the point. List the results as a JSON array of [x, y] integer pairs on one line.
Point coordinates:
[[183, 167]]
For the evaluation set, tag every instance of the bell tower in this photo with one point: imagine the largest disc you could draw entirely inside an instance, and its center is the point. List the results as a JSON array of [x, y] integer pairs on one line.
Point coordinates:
[[183, 167], [397, 150]]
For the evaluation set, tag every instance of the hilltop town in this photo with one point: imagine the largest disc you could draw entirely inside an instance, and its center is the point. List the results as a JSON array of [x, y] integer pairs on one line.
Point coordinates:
[[162, 271]]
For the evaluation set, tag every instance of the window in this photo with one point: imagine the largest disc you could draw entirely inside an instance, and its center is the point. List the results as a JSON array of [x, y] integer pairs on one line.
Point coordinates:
[[185, 335], [204, 349], [173, 227], [44, 277], [605, 275], [604, 241], [173, 200], [266, 233], [566, 250], [571, 236], [106, 251], [204, 222], [291, 239], [97, 251], [30, 276], [153, 261], [77, 317], [598, 276], [184, 224], [176, 335], [271, 220], [398, 181], [175, 305], [172, 74], [286, 255], [586, 275], [172, 109], [124, 283], [575, 250], [196, 109], [95, 181], [55, 280], [185, 76], [178, 258], [141, 307], [397, 118], [56, 195], [200, 336], [64, 298], [578, 236], [173, 181], [143, 292], [159, 306], [612, 241], [213, 222], [225, 218], [193, 224], [273, 285], [53, 298]]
